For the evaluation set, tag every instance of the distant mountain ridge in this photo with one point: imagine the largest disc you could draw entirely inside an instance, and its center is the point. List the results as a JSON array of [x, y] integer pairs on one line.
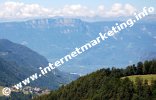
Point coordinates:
[[54, 38], [20, 54], [19, 62]]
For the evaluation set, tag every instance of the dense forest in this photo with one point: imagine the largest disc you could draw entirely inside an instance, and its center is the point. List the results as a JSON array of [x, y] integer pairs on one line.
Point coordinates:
[[108, 84]]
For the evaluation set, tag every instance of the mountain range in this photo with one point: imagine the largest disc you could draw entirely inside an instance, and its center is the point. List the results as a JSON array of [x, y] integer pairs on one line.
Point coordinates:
[[56, 37], [17, 62]]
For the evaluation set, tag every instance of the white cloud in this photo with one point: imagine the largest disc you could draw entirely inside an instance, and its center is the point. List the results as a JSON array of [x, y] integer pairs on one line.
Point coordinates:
[[121, 10], [116, 10], [116, 7], [101, 10], [21, 10], [129, 9], [76, 10], [15, 10]]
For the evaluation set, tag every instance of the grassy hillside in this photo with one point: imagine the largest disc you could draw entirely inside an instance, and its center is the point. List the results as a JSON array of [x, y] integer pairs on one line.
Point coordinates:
[[149, 77]]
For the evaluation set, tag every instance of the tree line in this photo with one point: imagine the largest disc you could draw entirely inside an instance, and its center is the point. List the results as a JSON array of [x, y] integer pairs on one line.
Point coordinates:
[[108, 84]]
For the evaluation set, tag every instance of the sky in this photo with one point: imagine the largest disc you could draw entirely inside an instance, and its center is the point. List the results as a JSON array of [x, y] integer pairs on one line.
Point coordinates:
[[89, 3], [15, 9]]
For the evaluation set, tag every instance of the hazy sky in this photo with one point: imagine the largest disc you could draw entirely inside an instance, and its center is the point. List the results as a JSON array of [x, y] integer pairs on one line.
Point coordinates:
[[90, 3], [82, 8]]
